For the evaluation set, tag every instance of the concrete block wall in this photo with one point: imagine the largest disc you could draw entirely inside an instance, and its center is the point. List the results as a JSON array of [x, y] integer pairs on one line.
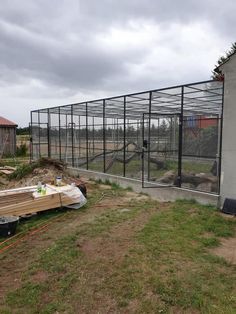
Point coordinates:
[[162, 194], [228, 163]]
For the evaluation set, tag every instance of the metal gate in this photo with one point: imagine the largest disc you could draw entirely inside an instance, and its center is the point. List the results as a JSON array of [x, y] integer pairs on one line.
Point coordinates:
[[161, 147]]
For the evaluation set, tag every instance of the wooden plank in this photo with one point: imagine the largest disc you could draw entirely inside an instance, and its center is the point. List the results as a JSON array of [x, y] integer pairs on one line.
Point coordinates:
[[7, 172], [9, 168], [18, 190], [18, 202], [36, 205], [14, 199]]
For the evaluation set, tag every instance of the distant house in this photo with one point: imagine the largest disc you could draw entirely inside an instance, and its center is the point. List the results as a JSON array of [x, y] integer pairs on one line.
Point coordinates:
[[7, 137]]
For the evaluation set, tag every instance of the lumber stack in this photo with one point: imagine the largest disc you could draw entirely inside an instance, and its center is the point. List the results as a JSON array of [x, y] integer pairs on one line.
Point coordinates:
[[19, 202], [7, 170]]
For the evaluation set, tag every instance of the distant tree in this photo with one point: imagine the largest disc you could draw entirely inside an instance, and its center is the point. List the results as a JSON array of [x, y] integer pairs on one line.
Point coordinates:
[[22, 131], [222, 59]]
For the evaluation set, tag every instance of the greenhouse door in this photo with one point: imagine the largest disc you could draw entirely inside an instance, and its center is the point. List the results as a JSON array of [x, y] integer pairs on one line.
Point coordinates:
[[160, 156]]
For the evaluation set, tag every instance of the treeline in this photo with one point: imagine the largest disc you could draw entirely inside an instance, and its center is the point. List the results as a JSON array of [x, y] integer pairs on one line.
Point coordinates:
[[22, 131], [163, 129]]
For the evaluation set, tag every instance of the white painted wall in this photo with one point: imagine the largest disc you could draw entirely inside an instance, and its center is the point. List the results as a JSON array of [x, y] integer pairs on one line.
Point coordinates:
[[228, 165]]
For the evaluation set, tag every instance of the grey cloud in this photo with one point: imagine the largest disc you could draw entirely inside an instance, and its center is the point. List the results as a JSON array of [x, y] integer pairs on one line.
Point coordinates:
[[61, 44], [87, 15], [60, 62], [221, 15]]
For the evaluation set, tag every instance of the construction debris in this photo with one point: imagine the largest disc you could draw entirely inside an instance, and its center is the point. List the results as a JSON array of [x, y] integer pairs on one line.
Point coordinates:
[[27, 200], [7, 170], [31, 188]]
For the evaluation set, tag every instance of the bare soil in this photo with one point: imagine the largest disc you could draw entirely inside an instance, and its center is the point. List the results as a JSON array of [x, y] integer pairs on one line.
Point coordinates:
[[16, 260], [227, 250]]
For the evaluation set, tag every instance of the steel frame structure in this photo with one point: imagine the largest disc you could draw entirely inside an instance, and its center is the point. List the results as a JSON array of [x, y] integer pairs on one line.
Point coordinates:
[[109, 133]]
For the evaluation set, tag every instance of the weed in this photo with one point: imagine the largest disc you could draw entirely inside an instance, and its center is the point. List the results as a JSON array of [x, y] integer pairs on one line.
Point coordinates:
[[22, 170], [21, 150], [129, 189], [114, 185], [28, 295]]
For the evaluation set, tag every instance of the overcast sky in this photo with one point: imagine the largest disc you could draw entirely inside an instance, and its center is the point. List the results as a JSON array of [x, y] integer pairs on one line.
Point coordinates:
[[62, 51]]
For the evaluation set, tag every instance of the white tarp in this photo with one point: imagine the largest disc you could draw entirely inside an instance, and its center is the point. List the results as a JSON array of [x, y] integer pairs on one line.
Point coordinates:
[[70, 191]]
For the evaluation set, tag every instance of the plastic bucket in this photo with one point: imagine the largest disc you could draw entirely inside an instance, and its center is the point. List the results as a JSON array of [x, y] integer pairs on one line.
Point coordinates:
[[8, 225]]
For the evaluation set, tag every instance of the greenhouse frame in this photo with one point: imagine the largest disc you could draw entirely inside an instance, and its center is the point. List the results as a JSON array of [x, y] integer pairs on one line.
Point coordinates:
[[163, 137]]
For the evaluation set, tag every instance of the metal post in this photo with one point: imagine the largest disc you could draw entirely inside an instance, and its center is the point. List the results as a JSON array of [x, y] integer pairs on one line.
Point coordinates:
[[59, 113], [79, 138], [143, 165], [48, 134], [180, 138], [93, 135], [117, 133], [72, 137], [124, 139], [31, 136], [66, 139], [39, 134], [149, 132], [86, 132], [104, 135], [137, 131]]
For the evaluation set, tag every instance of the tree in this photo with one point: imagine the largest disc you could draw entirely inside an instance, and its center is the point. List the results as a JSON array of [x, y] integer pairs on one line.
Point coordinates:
[[222, 59], [22, 131]]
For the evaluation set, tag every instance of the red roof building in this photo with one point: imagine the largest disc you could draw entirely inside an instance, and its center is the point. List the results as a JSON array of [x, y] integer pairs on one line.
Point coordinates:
[[5, 122], [7, 137]]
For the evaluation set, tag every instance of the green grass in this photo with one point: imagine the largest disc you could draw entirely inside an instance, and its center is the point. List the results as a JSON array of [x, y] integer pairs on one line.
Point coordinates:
[[167, 267], [182, 271], [134, 168], [114, 185], [26, 225]]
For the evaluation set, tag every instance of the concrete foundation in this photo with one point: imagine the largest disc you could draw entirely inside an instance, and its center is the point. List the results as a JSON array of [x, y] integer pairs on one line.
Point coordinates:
[[162, 194]]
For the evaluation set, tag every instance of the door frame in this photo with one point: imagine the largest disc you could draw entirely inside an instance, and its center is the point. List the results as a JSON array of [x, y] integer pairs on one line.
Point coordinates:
[[146, 148]]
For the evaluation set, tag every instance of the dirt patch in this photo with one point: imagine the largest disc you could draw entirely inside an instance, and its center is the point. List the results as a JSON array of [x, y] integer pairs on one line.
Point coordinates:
[[17, 260], [104, 187], [39, 277], [227, 250], [137, 196], [120, 240], [227, 216], [46, 170], [208, 235]]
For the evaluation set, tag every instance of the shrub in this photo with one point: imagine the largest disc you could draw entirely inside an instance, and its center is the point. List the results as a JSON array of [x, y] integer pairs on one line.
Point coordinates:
[[21, 150]]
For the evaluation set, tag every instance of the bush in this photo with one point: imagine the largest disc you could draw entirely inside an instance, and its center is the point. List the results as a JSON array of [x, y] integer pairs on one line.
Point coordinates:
[[23, 170], [21, 150]]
